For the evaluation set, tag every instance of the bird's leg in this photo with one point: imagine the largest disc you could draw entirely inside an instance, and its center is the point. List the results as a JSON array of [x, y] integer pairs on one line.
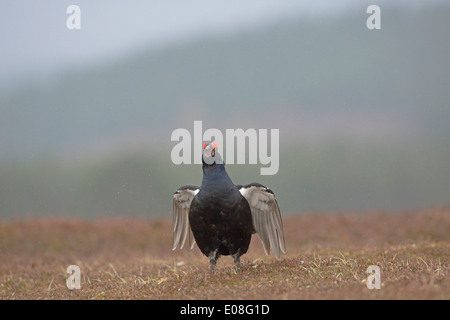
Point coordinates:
[[213, 256], [237, 260], [212, 266]]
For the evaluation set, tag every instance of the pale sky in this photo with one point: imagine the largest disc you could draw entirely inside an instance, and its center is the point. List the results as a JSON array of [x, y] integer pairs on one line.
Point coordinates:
[[35, 40]]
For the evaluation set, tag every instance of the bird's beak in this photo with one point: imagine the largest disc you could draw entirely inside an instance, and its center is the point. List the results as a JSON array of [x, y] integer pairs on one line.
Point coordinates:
[[208, 152]]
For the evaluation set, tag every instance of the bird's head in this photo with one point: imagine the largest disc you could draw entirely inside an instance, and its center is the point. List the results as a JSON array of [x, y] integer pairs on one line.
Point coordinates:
[[211, 154]]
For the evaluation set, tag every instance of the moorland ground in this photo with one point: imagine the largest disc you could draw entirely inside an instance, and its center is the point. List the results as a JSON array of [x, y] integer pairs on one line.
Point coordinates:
[[327, 258]]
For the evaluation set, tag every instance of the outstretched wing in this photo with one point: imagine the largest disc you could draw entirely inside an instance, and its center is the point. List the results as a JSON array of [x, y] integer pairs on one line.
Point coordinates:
[[182, 199], [266, 216]]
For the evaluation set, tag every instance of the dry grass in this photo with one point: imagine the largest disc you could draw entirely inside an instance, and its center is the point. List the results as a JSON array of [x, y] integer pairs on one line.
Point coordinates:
[[132, 259]]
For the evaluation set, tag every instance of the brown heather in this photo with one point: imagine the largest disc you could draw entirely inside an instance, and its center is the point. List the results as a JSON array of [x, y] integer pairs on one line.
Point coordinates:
[[327, 257]]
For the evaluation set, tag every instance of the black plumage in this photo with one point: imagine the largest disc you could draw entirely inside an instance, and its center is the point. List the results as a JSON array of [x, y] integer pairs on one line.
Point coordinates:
[[222, 216]]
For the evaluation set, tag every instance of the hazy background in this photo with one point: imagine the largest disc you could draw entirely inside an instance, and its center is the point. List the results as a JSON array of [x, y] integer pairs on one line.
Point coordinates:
[[86, 115]]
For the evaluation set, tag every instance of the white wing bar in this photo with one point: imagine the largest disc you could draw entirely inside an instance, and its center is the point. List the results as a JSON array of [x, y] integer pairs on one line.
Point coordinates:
[[182, 199], [266, 217]]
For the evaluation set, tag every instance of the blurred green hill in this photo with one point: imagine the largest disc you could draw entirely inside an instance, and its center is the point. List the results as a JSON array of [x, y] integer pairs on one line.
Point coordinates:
[[333, 177], [363, 116]]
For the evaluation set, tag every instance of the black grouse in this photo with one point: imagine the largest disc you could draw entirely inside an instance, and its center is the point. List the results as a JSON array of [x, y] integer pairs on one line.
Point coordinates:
[[221, 217]]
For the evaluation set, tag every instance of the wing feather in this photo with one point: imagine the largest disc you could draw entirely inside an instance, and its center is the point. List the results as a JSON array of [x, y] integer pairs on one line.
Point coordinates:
[[182, 199], [266, 217]]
